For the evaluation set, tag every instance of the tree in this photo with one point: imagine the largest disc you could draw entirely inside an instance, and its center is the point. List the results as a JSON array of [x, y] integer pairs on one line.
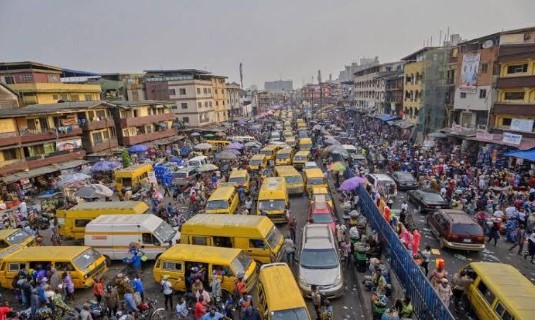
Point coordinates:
[[125, 158]]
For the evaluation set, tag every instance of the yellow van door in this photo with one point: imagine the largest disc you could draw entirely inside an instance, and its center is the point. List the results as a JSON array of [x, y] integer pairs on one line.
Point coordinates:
[[259, 251], [175, 270], [481, 299]]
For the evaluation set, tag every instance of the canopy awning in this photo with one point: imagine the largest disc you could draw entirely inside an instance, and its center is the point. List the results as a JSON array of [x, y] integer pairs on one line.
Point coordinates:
[[30, 174], [401, 124], [386, 117], [523, 154]]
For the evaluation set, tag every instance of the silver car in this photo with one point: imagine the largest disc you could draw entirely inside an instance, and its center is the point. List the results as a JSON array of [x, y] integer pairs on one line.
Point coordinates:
[[319, 262]]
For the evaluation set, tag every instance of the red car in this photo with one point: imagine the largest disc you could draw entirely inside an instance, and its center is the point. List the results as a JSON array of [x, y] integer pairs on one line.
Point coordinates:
[[322, 213]]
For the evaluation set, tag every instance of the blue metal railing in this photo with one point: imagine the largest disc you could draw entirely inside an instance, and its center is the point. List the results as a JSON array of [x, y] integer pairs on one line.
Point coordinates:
[[426, 302]]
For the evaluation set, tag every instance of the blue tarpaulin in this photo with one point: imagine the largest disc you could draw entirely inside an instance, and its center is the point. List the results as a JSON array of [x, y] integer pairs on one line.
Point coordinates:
[[386, 117], [522, 154]]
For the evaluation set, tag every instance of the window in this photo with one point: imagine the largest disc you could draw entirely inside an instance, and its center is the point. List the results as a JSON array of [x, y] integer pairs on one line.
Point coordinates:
[[88, 97], [463, 95], [172, 92], [210, 90], [217, 103], [199, 104], [502, 312], [16, 266], [205, 90], [9, 80], [206, 104], [506, 121], [517, 68], [485, 292], [514, 96], [484, 68], [199, 241], [81, 223], [184, 105], [10, 154], [256, 243], [224, 242], [482, 93], [97, 137], [64, 266], [171, 265], [182, 91], [149, 238], [215, 91], [26, 78], [198, 90], [174, 107], [75, 97], [210, 104]]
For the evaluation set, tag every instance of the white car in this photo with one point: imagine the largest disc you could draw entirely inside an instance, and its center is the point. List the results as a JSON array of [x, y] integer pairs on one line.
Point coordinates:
[[310, 164], [319, 262]]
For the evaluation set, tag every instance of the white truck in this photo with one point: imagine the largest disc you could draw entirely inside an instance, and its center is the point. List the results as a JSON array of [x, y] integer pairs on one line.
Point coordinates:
[[113, 235]]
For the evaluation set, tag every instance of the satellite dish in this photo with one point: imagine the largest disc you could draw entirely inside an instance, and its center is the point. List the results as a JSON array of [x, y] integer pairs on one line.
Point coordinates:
[[487, 44]]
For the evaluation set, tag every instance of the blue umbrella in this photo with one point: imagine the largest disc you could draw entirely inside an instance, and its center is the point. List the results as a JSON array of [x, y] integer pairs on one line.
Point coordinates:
[[185, 151], [104, 165], [138, 148]]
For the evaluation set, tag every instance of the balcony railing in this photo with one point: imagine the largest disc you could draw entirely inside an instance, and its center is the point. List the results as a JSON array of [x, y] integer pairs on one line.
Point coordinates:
[[55, 157], [97, 123], [100, 146], [144, 137], [139, 121], [28, 135], [8, 138]]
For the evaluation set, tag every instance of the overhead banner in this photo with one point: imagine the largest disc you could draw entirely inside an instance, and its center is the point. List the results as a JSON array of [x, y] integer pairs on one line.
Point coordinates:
[[68, 145], [469, 72], [524, 125]]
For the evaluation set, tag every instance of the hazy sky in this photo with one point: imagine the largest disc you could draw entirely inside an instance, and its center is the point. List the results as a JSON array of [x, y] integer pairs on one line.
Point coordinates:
[[290, 39]]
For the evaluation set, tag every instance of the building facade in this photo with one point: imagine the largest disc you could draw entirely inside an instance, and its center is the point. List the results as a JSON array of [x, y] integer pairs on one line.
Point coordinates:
[[220, 96], [474, 85], [37, 83], [8, 98], [140, 122], [278, 86], [234, 100], [514, 110], [122, 86], [370, 86]]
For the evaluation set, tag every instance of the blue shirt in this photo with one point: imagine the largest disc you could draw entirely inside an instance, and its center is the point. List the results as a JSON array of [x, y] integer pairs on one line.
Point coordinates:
[[129, 302], [216, 316], [137, 285]]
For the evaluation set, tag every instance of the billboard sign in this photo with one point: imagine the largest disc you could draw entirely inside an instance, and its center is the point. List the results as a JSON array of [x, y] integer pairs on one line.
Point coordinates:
[[469, 72], [511, 138], [525, 125]]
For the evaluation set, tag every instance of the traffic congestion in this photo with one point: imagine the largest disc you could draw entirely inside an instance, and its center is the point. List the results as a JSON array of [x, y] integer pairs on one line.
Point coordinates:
[[263, 218]]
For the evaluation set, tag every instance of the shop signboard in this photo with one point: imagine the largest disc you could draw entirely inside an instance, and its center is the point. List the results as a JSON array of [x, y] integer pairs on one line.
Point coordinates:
[[152, 177], [68, 145], [525, 125], [483, 135], [511, 138]]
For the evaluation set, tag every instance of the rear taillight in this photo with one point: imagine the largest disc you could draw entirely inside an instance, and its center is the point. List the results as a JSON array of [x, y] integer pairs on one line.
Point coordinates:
[[452, 237], [480, 239]]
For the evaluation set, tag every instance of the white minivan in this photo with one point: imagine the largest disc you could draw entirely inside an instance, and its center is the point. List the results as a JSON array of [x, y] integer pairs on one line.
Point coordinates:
[[112, 235], [198, 161], [319, 262]]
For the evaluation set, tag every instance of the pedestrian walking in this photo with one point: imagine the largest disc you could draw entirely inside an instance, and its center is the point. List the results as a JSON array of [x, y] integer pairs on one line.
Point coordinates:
[[167, 290], [494, 233], [55, 238], [444, 291], [292, 226], [289, 249], [316, 300], [461, 282], [531, 247], [137, 285], [345, 246], [111, 301], [426, 255], [98, 289], [520, 238]]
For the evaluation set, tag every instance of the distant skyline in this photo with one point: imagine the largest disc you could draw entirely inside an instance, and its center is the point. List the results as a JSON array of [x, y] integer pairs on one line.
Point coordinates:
[[276, 39]]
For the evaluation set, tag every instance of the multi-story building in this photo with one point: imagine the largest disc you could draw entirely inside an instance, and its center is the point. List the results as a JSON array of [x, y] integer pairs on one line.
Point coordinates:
[[122, 86], [514, 110], [139, 122], [37, 83], [193, 93], [234, 101], [370, 86], [317, 94], [8, 98], [412, 84], [278, 86], [393, 103], [222, 109], [477, 60]]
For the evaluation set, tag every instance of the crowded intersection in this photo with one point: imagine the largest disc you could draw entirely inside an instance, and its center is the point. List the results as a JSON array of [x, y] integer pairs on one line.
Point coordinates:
[[272, 217]]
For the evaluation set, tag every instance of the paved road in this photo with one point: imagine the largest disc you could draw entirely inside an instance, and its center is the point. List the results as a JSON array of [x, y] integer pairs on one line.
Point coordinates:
[[347, 306]]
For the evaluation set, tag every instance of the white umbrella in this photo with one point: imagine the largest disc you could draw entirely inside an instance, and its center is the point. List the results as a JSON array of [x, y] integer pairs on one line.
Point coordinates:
[[203, 146], [72, 178], [208, 167], [92, 191], [226, 155]]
